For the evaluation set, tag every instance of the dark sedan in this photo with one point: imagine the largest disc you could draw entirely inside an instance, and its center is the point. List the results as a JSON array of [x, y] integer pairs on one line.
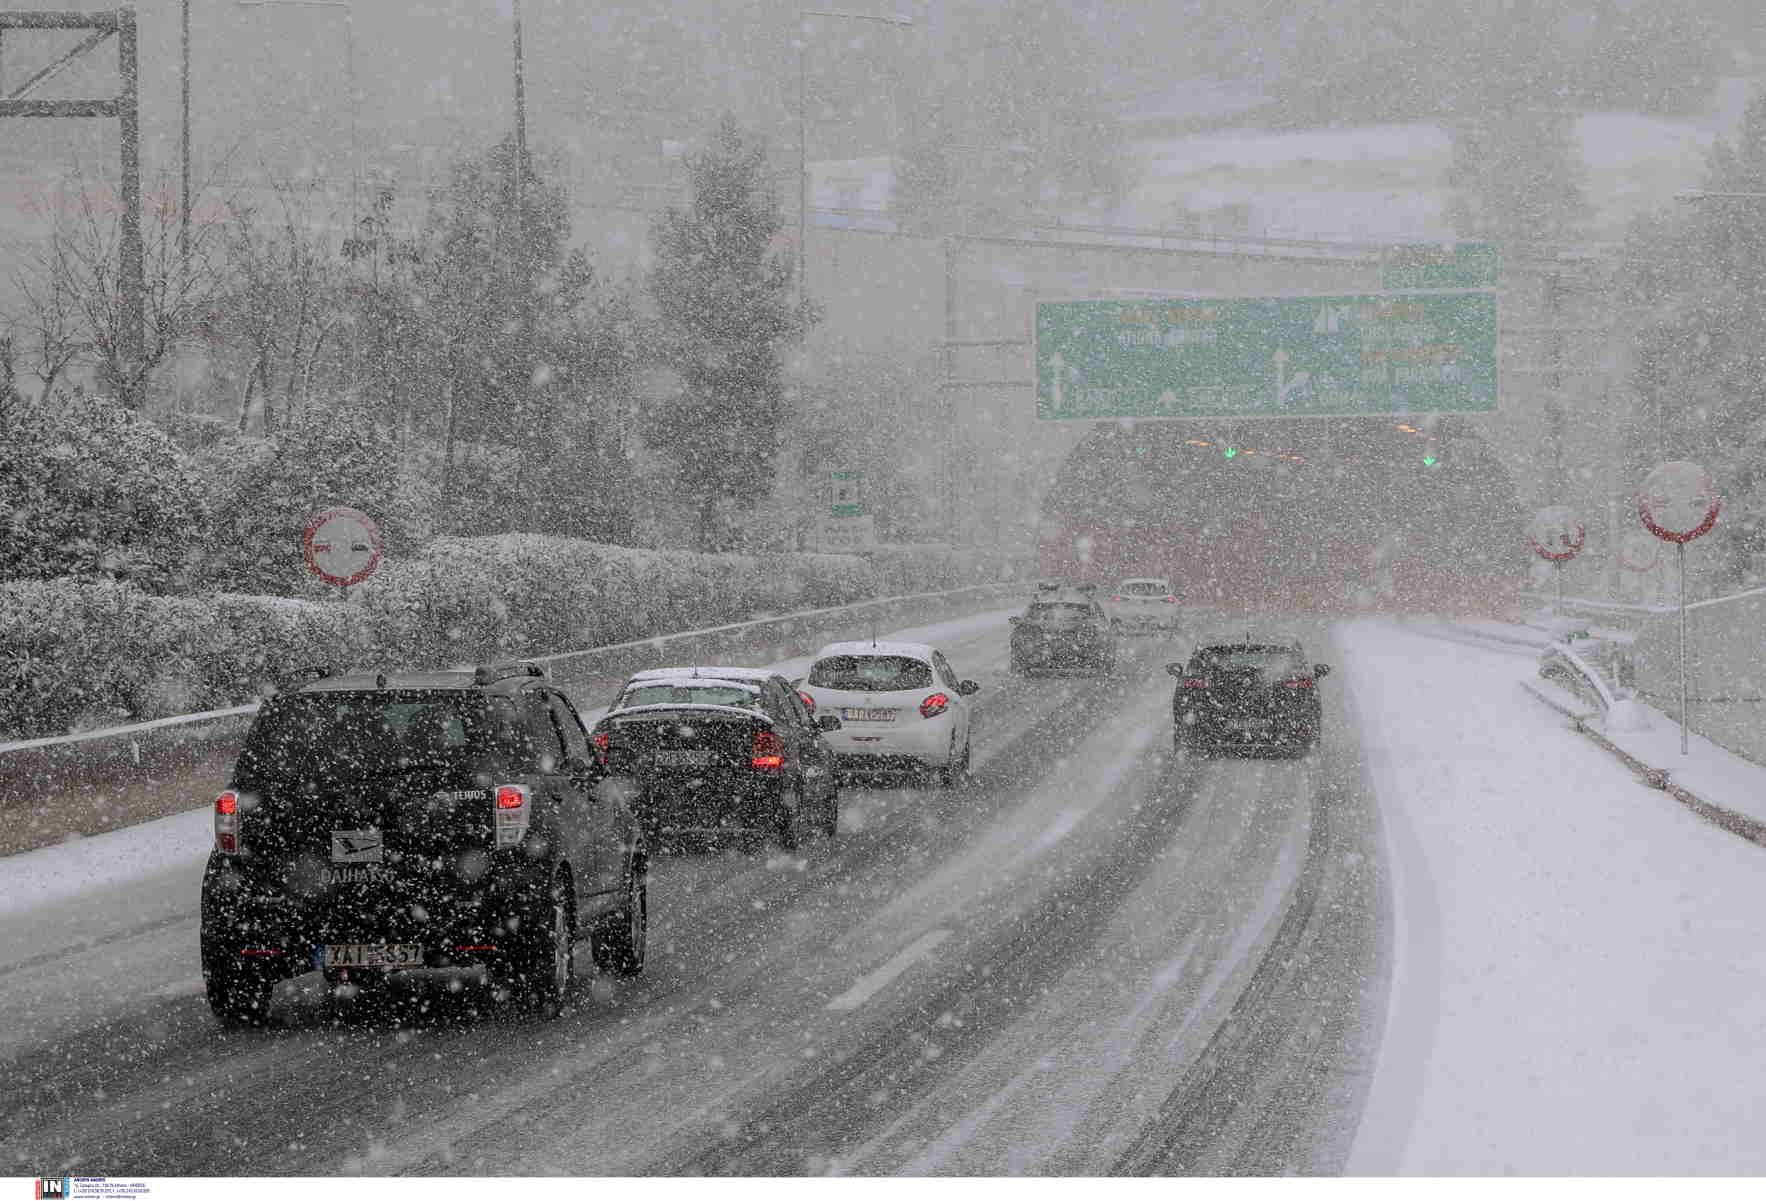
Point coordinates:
[[1251, 694]]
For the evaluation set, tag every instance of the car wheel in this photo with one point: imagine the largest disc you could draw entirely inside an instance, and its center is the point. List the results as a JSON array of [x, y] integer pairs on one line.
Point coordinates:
[[545, 955], [238, 989], [790, 818], [619, 940], [956, 770]]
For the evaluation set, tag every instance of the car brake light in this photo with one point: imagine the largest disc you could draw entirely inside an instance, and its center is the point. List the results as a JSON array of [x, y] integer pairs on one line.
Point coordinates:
[[935, 704], [809, 702], [227, 823], [1195, 683], [1302, 682], [599, 741], [1171, 600], [768, 752], [1116, 598], [512, 813]]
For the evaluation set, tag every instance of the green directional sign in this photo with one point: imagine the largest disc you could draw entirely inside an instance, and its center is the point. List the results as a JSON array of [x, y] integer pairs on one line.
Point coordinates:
[[1285, 356], [1437, 265], [844, 493]]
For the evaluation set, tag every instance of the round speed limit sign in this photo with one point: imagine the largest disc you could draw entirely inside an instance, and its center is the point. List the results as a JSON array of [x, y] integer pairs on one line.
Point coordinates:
[[341, 546]]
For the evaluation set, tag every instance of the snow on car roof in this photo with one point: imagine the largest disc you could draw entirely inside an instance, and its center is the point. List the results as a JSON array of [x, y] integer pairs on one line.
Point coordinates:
[[867, 649], [702, 673], [1148, 579], [695, 707]]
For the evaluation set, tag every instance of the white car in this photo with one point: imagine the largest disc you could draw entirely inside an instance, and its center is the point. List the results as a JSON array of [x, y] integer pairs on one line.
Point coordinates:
[[1148, 603], [901, 708]]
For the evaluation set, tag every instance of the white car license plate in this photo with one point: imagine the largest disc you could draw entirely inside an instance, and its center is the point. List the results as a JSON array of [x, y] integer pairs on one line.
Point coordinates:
[[1249, 723], [682, 758], [371, 954], [867, 714]]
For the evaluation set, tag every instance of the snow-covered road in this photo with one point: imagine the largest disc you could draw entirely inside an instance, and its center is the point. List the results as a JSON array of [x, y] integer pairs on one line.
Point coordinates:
[[1458, 939]]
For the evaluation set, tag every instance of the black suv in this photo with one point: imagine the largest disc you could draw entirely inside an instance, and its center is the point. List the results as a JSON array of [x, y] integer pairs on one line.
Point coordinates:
[[441, 823], [1247, 694], [1064, 629]]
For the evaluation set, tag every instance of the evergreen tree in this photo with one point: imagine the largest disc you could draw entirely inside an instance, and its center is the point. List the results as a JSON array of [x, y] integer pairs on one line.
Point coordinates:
[[724, 316]]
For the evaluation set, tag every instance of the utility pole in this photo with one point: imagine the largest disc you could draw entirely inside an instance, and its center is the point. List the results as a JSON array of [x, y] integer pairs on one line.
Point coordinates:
[[184, 141]]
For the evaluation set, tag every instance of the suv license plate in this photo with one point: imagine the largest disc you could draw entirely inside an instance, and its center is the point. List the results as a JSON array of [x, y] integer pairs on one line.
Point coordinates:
[[371, 954], [682, 758], [1249, 723]]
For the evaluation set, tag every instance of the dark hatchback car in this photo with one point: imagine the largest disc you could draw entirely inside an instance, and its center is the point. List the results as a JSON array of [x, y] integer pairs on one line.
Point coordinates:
[[1249, 694], [1064, 629], [714, 751], [419, 825]]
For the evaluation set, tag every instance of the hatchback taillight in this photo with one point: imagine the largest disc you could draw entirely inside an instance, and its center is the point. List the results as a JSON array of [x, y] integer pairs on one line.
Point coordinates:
[[1302, 682], [768, 753], [512, 812], [935, 704], [1192, 682], [227, 823], [809, 702]]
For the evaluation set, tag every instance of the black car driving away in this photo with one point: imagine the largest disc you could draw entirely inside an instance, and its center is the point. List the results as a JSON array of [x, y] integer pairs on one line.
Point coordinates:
[[1064, 629], [1247, 693], [709, 751], [419, 825]]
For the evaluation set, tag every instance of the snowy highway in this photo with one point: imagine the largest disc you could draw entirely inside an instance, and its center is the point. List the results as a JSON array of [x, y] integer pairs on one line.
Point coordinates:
[[1097, 958]]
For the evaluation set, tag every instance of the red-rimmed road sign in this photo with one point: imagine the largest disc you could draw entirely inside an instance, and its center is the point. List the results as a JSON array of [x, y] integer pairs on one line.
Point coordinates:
[[1555, 535], [1678, 502], [341, 546]]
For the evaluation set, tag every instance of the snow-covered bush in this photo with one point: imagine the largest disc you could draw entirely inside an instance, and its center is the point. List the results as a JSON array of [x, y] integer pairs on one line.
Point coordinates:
[[79, 655], [92, 490]]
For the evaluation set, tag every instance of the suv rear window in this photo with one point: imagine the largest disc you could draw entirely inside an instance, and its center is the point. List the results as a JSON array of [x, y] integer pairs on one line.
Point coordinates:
[[330, 733], [870, 673]]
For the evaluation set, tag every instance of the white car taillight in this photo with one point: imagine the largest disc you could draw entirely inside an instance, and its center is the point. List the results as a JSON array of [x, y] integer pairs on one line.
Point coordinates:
[[227, 823], [512, 811]]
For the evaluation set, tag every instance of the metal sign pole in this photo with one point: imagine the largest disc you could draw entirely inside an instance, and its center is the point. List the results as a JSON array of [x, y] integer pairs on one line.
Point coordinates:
[[1685, 715], [1557, 576]]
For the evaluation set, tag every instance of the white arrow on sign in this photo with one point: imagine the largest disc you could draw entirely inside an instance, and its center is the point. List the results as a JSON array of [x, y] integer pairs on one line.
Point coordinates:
[[1283, 385], [1059, 364]]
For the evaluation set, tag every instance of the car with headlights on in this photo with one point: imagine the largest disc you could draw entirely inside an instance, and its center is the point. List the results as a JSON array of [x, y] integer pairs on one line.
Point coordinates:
[[902, 708]]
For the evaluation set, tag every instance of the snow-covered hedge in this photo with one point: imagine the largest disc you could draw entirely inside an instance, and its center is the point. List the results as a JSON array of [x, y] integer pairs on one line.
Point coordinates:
[[77, 655]]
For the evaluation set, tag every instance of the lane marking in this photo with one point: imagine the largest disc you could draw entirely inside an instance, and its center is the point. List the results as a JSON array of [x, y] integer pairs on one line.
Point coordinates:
[[868, 986]]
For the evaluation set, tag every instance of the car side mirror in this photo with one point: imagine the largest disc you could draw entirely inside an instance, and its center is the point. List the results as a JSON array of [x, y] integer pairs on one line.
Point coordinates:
[[827, 721], [1013, 620], [1176, 669], [1320, 670], [968, 688]]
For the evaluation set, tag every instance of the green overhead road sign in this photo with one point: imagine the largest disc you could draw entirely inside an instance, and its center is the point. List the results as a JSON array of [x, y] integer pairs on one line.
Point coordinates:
[[1284, 356], [1436, 265]]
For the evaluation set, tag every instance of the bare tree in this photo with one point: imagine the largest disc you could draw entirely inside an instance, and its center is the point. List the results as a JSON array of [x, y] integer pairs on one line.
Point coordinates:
[[72, 310]]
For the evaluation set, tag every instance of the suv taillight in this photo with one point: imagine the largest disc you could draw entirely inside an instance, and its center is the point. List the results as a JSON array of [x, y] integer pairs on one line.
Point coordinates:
[[600, 740], [227, 823], [1302, 682], [511, 812], [1193, 682], [768, 752], [809, 702], [935, 704]]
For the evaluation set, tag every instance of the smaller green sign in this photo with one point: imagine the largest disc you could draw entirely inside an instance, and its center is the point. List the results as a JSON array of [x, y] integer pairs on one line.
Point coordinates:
[[1429, 265], [845, 493]]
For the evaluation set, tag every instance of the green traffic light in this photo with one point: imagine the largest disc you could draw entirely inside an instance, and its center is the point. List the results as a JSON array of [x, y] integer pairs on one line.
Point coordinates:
[[1230, 452], [1430, 461]]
